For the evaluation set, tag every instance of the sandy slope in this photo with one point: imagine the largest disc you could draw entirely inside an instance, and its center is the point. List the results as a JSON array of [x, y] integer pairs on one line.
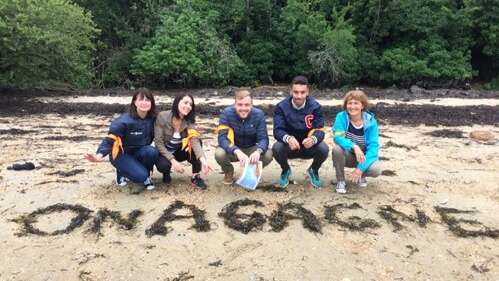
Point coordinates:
[[457, 173]]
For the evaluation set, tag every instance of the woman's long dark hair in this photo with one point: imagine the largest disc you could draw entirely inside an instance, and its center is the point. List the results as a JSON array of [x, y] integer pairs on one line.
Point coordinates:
[[139, 93], [191, 117]]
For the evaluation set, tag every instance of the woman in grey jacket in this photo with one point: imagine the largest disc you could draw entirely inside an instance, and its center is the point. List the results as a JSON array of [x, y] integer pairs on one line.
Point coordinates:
[[177, 140]]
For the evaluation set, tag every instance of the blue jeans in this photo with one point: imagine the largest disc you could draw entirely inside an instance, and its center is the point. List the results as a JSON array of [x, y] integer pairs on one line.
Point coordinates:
[[282, 153], [136, 164]]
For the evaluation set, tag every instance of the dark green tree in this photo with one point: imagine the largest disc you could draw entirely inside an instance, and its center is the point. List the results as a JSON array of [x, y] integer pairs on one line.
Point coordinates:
[[44, 42]]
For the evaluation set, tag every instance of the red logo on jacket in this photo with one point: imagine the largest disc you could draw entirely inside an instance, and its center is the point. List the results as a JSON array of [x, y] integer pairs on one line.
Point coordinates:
[[308, 121]]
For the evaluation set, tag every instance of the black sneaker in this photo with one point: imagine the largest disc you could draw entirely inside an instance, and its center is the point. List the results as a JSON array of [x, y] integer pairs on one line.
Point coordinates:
[[167, 178], [198, 182]]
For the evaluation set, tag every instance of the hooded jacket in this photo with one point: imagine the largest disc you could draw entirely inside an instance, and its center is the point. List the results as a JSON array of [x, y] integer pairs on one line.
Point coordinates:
[[371, 136]]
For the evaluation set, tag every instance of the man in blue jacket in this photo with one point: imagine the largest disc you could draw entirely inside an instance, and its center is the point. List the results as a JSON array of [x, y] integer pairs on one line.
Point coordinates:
[[242, 136], [299, 131]]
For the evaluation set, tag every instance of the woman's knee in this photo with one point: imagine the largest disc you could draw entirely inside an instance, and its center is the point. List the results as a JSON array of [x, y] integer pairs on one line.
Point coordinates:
[[337, 150], [375, 170], [163, 165], [150, 151]]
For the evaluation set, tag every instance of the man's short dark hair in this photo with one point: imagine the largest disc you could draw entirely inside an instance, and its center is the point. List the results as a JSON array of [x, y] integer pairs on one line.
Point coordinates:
[[300, 80]]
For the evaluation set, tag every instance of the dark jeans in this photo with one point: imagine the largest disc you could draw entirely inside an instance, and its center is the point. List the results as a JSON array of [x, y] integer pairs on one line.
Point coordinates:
[[282, 153], [164, 165], [136, 165]]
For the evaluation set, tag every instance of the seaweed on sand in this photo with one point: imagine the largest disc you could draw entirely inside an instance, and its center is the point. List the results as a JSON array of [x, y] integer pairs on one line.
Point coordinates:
[[103, 214], [159, 228], [280, 217], [455, 227], [27, 221], [242, 222], [446, 133], [391, 215], [353, 223]]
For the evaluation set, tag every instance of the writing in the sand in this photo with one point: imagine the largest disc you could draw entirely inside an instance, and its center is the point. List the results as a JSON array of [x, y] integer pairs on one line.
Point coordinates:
[[459, 222]]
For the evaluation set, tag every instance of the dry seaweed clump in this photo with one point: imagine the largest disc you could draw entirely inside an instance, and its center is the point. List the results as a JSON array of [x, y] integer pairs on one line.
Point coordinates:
[[242, 222], [68, 173], [27, 221], [446, 133], [103, 214], [353, 223], [182, 276], [159, 228], [392, 216], [455, 227], [279, 218]]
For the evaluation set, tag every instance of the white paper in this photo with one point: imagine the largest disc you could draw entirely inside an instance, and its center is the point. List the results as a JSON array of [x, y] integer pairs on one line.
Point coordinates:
[[251, 175]]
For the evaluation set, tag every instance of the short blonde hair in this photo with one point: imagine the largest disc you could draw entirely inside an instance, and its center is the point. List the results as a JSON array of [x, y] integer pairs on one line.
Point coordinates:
[[356, 95], [241, 94]]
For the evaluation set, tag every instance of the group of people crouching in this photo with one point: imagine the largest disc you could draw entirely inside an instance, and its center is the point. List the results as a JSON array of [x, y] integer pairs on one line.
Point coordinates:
[[242, 137]]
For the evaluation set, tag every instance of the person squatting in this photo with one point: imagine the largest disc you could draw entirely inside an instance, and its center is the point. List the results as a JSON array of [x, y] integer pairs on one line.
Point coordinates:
[[298, 129]]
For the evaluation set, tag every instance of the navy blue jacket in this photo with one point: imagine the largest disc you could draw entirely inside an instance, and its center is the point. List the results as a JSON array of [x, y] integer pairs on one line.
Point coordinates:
[[247, 132], [134, 132], [298, 123]]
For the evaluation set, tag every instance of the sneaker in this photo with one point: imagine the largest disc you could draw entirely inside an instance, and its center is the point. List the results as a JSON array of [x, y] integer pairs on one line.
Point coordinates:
[[167, 178], [229, 178], [198, 182], [148, 184], [363, 183], [122, 181], [284, 179], [341, 187], [314, 178]]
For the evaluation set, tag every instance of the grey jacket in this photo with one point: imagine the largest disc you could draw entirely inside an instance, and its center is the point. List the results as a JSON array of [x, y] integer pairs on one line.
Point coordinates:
[[163, 132]]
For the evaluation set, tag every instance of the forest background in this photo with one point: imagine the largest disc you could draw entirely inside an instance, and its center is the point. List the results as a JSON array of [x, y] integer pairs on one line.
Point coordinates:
[[199, 43]]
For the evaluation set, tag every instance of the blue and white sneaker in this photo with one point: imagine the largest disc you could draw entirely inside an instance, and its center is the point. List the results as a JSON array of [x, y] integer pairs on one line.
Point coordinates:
[[284, 179], [314, 178], [341, 187], [148, 184], [122, 181], [363, 183]]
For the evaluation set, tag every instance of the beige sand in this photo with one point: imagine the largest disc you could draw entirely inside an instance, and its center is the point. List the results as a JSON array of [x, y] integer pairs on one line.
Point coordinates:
[[458, 173]]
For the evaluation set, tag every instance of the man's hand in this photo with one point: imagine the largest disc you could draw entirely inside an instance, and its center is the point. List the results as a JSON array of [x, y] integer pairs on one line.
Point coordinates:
[[293, 144], [94, 157], [243, 158], [359, 154], [177, 167], [254, 157], [308, 143], [356, 175]]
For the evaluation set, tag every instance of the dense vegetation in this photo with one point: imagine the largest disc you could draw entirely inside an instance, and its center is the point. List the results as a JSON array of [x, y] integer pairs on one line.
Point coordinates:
[[158, 43]]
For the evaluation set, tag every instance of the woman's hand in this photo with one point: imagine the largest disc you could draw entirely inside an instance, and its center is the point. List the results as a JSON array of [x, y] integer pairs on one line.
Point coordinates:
[[177, 167], [359, 154], [356, 175], [94, 157], [205, 167]]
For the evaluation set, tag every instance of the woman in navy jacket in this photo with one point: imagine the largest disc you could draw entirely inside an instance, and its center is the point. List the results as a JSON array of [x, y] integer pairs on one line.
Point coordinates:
[[129, 142]]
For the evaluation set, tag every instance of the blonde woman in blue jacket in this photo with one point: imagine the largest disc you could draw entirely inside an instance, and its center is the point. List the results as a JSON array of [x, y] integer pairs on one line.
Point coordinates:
[[356, 136]]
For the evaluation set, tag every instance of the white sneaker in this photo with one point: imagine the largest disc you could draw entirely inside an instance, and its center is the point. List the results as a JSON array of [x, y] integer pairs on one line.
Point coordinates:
[[148, 184], [341, 187], [363, 183], [122, 181]]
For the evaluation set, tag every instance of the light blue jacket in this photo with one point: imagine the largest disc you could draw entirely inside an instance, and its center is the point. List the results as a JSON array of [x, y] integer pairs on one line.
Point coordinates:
[[371, 136]]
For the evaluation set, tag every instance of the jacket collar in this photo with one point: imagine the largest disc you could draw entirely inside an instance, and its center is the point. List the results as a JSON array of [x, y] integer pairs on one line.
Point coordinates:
[[169, 118]]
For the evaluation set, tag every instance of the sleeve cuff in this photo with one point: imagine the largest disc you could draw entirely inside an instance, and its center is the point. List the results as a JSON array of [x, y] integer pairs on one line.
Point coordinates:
[[286, 138]]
